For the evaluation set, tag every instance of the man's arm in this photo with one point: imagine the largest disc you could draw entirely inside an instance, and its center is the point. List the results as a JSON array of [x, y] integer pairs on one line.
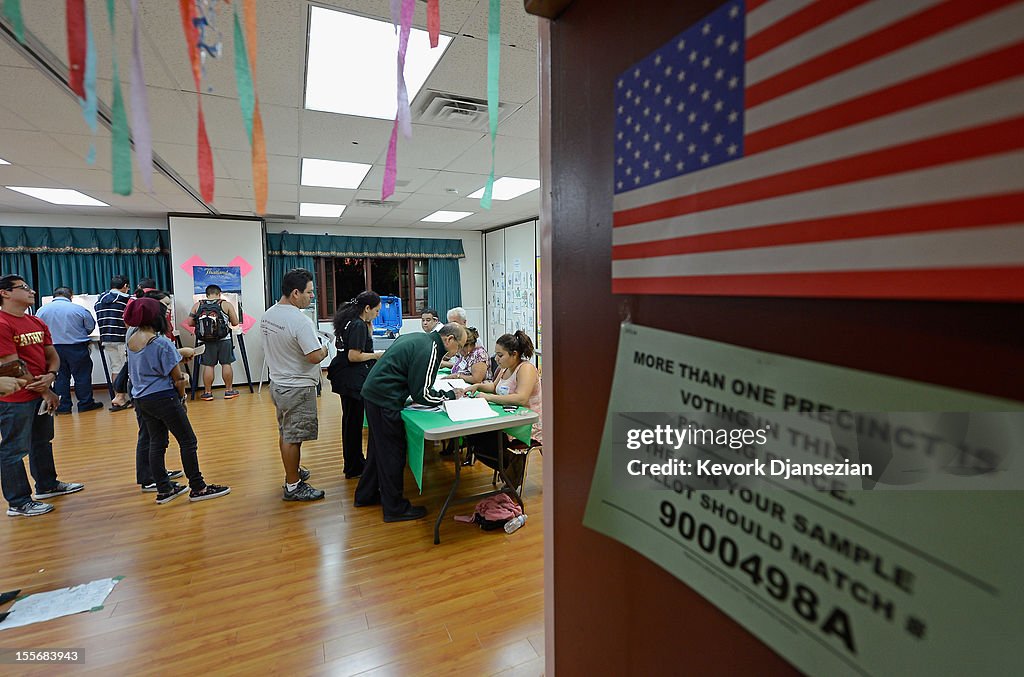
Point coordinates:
[[42, 382], [229, 308], [421, 379], [88, 321], [190, 321]]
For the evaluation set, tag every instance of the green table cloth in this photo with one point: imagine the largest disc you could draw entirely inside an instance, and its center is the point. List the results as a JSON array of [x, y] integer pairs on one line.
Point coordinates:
[[419, 421]]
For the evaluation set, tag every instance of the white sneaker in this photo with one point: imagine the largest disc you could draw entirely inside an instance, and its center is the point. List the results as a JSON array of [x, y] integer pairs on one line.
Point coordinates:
[[30, 509], [61, 489]]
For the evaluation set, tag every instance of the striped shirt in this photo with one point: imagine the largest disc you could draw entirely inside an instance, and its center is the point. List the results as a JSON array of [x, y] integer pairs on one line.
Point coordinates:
[[110, 316]]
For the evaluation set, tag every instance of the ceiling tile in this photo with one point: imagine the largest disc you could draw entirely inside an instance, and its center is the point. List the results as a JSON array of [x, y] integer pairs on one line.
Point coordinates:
[[463, 70]]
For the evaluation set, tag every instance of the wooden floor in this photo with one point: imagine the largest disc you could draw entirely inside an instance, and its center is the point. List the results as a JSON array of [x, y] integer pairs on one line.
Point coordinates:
[[249, 584]]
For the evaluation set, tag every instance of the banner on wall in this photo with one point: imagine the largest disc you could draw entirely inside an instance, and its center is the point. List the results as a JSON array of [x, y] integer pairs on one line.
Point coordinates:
[[836, 579], [775, 149], [228, 278]]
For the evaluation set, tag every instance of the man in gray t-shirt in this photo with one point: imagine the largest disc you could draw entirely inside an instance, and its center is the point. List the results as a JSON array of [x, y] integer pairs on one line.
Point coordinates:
[[294, 353]]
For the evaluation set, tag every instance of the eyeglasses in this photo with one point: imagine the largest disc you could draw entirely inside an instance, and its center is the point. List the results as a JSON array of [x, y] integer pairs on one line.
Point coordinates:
[[22, 286]]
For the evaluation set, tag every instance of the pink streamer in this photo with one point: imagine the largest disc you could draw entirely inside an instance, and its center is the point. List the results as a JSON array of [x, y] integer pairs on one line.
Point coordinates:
[[403, 118], [140, 106], [391, 166]]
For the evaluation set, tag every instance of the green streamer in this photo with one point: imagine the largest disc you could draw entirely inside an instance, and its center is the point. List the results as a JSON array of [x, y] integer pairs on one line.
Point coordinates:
[[243, 77], [120, 146], [493, 69], [12, 10]]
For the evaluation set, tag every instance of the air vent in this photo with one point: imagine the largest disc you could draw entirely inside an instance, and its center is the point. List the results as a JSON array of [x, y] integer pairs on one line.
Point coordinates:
[[291, 218], [458, 112], [386, 204]]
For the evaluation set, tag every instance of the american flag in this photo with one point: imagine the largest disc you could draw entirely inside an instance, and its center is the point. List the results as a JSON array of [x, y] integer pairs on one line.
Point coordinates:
[[844, 148]]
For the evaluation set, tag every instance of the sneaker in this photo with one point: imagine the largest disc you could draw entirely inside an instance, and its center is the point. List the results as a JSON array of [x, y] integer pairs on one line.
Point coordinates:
[[90, 406], [171, 475], [30, 509], [61, 489], [303, 492], [206, 397], [230, 394], [304, 474], [176, 490], [208, 492]]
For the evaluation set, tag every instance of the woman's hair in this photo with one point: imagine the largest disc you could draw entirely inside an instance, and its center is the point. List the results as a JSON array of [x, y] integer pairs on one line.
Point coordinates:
[[472, 336], [157, 294], [517, 343], [353, 309]]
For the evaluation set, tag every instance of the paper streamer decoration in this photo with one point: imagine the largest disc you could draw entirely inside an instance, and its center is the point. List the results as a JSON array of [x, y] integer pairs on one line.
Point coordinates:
[[433, 22], [243, 78], [204, 156], [75, 11], [89, 104], [140, 106], [402, 116], [259, 143], [493, 70], [12, 10], [121, 146]]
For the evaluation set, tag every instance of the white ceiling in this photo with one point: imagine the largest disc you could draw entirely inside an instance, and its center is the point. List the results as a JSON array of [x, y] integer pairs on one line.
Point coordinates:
[[44, 137]]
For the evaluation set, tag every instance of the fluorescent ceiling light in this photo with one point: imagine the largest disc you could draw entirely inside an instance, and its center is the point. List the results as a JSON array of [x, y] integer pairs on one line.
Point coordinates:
[[320, 209], [350, 66], [59, 196], [4, 162], [446, 217], [333, 174], [507, 188]]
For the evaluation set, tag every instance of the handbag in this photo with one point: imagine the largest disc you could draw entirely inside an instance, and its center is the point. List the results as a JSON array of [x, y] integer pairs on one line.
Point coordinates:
[[14, 368]]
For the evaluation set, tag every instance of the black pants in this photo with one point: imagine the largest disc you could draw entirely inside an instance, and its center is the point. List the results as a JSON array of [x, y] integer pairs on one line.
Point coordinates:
[[383, 476], [163, 415], [121, 380], [75, 363], [352, 435]]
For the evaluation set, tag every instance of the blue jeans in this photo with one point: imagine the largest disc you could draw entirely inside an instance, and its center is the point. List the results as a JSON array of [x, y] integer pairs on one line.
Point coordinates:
[[76, 363], [162, 416], [24, 433]]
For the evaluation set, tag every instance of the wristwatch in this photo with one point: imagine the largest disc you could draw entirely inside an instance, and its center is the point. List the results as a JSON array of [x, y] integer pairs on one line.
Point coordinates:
[[52, 372]]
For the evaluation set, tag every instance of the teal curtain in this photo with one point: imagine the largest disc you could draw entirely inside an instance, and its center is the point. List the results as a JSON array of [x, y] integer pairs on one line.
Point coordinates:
[[86, 258], [286, 244], [18, 264], [279, 265], [444, 286]]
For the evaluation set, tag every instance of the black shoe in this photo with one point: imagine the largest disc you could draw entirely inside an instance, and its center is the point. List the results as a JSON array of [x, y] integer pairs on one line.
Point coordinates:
[[6, 597], [366, 504], [90, 406], [353, 475], [414, 512]]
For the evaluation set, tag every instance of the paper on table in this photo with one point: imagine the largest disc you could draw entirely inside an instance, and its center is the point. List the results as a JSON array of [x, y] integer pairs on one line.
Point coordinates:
[[450, 384], [468, 409], [45, 606]]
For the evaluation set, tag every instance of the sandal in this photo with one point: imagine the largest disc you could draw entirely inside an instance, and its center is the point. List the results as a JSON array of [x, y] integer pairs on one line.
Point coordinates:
[[121, 407]]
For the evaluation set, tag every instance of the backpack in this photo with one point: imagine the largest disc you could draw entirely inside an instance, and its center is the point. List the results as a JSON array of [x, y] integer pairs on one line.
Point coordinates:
[[494, 511], [211, 321]]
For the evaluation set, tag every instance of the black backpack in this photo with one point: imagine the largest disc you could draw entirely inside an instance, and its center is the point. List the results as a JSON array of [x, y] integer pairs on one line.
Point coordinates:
[[211, 321]]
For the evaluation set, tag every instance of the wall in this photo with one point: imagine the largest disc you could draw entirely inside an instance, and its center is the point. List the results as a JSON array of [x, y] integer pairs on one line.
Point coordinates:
[[514, 251], [470, 267], [609, 610], [76, 221]]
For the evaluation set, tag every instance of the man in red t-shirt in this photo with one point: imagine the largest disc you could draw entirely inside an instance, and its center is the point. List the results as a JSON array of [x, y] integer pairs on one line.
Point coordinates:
[[25, 427]]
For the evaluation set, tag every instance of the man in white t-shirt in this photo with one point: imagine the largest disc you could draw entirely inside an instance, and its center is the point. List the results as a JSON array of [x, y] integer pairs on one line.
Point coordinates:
[[294, 352]]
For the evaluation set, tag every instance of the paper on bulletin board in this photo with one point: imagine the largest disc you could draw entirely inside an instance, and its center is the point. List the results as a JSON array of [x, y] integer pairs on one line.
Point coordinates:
[[845, 582]]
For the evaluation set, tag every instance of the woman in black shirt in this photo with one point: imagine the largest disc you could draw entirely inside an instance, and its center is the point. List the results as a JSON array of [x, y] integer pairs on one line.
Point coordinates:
[[348, 370]]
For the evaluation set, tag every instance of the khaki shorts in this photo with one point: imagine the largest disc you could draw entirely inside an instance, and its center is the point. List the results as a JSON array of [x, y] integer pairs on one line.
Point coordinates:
[[296, 412]]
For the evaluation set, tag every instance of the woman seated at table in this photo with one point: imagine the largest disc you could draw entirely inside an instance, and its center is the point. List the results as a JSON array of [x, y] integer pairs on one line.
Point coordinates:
[[516, 383], [470, 363]]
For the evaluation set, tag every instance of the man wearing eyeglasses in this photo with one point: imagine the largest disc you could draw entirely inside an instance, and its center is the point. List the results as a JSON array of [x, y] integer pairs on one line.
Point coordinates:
[[407, 369], [25, 429]]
